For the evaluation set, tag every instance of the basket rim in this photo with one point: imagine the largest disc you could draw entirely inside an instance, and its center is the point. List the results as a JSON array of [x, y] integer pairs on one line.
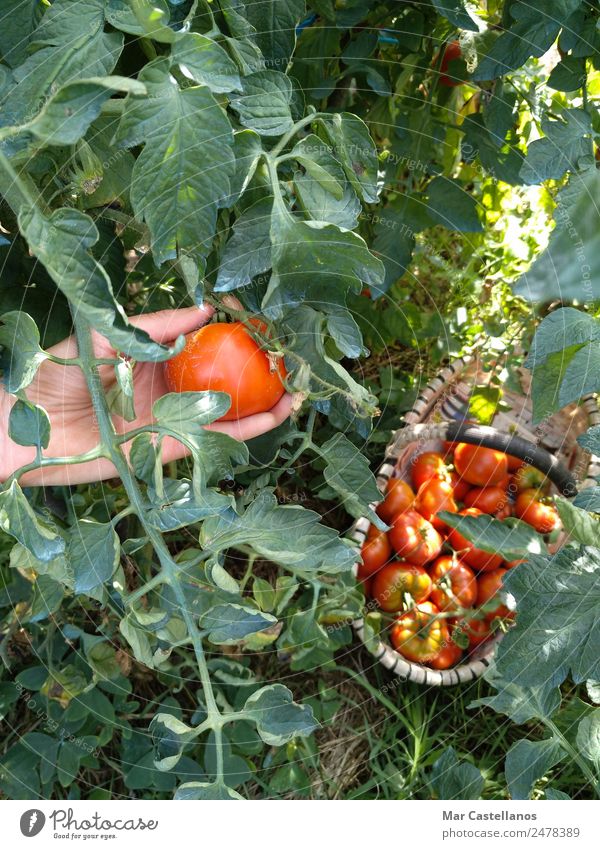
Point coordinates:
[[383, 652]]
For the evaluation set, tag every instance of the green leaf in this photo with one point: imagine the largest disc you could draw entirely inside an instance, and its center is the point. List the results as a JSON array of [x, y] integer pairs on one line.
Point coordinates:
[[484, 402], [457, 13], [278, 718], [206, 62], [526, 762], [546, 383], [562, 329], [557, 628], [510, 538], [452, 778], [347, 472], [521, 703], [588, 736], [120, 396], [186, 413], [450, 204], [169, 738], [581, 375], [579, 524], [593, 691], [179, 506], [58, 569], [317, 262], [93, 550], [354, 148], [22, 354], [534, 30], [275, 24], [29, 425], [320, 165], [62, 242], [323, 191], [48, 596], [346, 334], [569, 268], [183, 173], [69, 44], [566, 146], [198, 790], [67, 115], [248, 251], [231, 623], [137, 639], [568, 75], [264, 105], [17, 518], [279, 533]]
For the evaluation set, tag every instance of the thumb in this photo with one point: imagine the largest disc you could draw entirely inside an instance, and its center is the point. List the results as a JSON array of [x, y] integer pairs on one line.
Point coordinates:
[[166, 325]]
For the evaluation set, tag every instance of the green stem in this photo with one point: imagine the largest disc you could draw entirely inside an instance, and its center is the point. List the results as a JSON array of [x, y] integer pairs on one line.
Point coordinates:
[[169, 568], [574, 754], [45, 462], [275, 151]]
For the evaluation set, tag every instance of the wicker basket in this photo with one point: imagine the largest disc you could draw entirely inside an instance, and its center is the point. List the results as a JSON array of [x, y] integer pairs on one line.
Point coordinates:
[[438, 414]]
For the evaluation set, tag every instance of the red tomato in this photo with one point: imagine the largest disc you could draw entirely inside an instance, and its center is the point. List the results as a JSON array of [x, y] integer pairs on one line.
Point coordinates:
[[542, 517], [505, 512], [225, 358], [454, 584], [435, 495], [452, 52], [391, 584], [472, 556], [489, 499], [375, 552], [426, 466], [449, 656], [478, 465], [398, 498], [514, 463], [418, 635], [528, 477], [414, 538], [489, 585], [476, 630], [460, 486]]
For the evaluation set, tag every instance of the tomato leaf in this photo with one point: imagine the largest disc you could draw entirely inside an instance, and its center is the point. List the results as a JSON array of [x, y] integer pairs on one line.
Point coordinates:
[[558, 599], [169, 738], [347, 472], [231, 623], [179, 506], [198, 790], [588, 736], [451, 205], [248, 251], [22, 355], [527, 761], [168, 177], [264, 104], [566, 146], [93, 550], [279, 533], [29, 425], [579, 524], [275, 24], [510, 538], [520, 703], [206, 62], [457, 12], [17, 518], [353, 146], [323, 190], [451, 778], [277, 717]]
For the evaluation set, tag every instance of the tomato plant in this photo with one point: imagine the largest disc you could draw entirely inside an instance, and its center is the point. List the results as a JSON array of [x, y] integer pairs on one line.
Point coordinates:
[[163, 566]]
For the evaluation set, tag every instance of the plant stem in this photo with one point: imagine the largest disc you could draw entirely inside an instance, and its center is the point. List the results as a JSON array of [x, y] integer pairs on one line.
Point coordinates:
[[275, 151], [574, 754], [169, 568]]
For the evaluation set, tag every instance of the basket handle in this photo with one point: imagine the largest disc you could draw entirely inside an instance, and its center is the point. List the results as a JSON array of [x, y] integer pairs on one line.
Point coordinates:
[[525, 450]]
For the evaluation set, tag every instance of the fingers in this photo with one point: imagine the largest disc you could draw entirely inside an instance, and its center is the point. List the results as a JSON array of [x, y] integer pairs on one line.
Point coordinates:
[[166, 325], [252, 426]]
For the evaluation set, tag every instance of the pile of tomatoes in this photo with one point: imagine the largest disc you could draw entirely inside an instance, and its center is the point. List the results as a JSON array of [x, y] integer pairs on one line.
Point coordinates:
[[443, 593]]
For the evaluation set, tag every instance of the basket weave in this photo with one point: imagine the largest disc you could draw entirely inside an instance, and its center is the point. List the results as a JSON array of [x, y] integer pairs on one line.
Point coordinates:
[[446, 399]]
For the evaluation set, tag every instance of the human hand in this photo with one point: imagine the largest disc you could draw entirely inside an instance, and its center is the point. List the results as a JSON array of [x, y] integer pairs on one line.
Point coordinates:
[[63, 393]]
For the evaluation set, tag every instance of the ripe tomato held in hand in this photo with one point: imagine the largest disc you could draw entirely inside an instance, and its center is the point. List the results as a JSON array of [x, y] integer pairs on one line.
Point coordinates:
[[488, 499], [391, 584], [435, 495], [418, 635], [414, 538], [542, 517], [454, 584], [489, 585], [478, 465], [398, 498], [425, 466], [449, 656], [375, 552], [225, 358], [469, 553]]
